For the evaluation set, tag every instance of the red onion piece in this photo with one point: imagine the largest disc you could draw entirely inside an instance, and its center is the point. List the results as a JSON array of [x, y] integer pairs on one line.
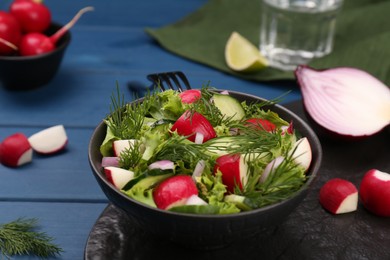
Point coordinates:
[[346, 101], [162, 165], [199, 168], [110, 161], [270, 167]]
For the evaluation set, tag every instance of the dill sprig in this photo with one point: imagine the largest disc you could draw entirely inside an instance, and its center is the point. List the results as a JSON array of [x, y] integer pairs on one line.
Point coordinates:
[[127, 119], [20, 238], [205, 107]]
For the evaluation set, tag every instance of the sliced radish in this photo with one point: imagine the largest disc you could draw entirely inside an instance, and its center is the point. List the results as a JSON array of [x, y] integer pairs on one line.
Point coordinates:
[[118, 176], [192, 124], [195, 200], [110, 161], [190, 96], [49, 140], [270, 168], [121, 145], [302, 153], [15, 150], [174, 191], [346, 102], [234, 171], [261, 124], [162, 165], [375, 192], [339, 196]]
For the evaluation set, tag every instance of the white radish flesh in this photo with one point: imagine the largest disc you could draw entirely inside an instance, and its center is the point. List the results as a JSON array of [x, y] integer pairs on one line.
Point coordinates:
[[49, 140]]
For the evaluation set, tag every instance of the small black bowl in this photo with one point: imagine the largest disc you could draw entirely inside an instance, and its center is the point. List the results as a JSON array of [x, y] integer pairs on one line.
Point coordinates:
[[208, 231], [29, 72]]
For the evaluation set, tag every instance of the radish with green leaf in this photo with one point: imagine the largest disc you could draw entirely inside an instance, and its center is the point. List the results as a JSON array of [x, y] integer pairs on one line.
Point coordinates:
[[50, 140], [15, 150], [339, 196], [234, 171], [174, 191], [375, 192]]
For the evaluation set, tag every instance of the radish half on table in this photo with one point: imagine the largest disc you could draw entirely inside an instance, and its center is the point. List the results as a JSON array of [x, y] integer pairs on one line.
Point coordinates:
[[50, 140], [15, 150], [339, 196], [375, 192]]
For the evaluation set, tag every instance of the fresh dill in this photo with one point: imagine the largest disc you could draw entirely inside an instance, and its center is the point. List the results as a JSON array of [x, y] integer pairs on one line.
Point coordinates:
[[20, 238]]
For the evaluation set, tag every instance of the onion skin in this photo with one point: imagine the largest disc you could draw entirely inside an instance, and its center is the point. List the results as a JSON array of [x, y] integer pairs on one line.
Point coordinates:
[[339, 102]]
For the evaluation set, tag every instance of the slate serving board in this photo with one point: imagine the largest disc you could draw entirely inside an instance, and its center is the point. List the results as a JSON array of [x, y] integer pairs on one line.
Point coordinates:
[[309, 232]]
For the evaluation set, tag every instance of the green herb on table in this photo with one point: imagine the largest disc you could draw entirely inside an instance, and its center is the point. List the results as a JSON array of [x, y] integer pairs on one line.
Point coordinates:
[[20, 238]]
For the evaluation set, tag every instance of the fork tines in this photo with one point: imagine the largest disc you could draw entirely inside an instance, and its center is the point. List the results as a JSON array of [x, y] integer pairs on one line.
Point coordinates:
[[164, 80]]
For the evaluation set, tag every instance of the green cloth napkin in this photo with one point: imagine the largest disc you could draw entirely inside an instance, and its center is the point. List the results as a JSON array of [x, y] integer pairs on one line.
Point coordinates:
[[362, 37]]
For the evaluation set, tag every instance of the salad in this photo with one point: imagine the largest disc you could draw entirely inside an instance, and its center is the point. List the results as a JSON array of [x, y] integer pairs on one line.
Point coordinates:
[[202, 151]]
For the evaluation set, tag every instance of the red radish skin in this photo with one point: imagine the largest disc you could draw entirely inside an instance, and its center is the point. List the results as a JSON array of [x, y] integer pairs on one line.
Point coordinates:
[[50, 140], [117, 176], [37, 43], [10, 33], [261, 124], [344, 103], [234, 171], [15, 150], [339, 196], [190, 96], [375, 192], [189, 124], [174, 191], [32, 16]]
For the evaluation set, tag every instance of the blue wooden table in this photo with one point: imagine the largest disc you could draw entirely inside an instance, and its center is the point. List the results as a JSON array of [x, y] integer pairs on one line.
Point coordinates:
[[109, 47]]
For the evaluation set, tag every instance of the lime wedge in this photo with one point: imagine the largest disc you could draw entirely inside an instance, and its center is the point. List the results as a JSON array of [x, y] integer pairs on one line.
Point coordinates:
[[241, 55]]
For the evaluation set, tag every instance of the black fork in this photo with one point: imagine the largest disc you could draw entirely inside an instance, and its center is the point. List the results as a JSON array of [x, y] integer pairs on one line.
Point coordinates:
[[170, 80]]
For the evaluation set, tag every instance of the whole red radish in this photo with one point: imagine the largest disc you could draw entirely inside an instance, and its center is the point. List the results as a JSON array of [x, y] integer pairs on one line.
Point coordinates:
[[339, 196], [10, 33], [174, 191], [234, 171], [32, 16], [261, 124], [15, 150], [375, 192], [35, 43], [190, 124], [190, 96]]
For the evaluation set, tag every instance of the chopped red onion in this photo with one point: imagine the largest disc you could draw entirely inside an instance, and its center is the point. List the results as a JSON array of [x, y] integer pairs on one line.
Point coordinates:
[[162, 165], [270, 167], [199, 168], [110, 161]]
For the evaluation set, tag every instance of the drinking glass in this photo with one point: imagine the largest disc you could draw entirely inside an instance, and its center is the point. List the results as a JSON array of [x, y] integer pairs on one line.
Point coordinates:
[[293, 32]]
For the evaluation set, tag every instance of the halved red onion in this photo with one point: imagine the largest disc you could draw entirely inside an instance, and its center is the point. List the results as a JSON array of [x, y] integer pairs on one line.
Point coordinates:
[[162, 165], [346, 101], [110, 161]]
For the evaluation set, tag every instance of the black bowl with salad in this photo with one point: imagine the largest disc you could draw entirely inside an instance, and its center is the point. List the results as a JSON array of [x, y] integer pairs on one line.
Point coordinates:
[[204, 168]]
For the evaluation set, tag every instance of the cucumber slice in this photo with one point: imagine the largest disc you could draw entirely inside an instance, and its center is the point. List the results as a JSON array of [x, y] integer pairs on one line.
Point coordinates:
[[229, 106]]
